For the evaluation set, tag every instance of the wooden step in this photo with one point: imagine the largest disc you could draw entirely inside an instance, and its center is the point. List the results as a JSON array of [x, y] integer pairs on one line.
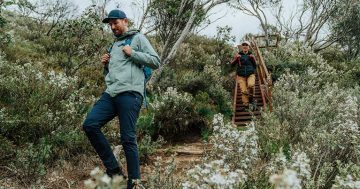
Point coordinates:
[[243, 118], [241, 123], [256, 86], [257, 92], [255, 97], [242, 105], [257, 100], [247, 113], [239, 110]]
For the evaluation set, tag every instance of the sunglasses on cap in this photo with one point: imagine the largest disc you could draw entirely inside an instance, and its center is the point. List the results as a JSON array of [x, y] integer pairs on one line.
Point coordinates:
[[244, 44]]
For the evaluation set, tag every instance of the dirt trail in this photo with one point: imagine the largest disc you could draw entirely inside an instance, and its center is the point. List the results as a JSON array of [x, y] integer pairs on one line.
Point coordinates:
[[187, 155]]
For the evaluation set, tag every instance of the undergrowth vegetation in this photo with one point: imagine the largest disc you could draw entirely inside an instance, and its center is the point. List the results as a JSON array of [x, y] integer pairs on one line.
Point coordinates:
[[309, 140], [50, 78]]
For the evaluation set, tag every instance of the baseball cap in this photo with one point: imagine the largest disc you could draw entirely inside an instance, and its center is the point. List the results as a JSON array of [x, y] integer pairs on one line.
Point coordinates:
[[246, 42], [115, 14]]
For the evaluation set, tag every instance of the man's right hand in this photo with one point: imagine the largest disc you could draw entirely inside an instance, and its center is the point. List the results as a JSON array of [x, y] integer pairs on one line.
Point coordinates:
[[237, 55], [105, 58]]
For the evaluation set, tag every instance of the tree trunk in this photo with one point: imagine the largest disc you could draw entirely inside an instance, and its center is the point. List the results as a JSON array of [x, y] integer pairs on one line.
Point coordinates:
[[166, 59]]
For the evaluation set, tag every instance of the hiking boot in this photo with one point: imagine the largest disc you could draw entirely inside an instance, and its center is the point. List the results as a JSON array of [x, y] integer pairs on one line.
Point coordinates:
[[251, 99], [254, 105], [246, 108], [242, 109], [138, 186]]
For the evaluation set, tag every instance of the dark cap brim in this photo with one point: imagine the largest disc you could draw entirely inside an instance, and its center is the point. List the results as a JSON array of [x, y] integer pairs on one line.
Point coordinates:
[[106, 20]]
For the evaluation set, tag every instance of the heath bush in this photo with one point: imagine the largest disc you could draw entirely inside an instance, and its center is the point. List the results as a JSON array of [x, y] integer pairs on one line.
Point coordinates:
[[314, 115], [174, 112], [40, 106]]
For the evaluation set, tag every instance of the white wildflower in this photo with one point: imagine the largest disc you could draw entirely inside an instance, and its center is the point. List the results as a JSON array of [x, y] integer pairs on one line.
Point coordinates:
[[287, 180], [95, 171], [105, 179], [346, 183], [301, 164]]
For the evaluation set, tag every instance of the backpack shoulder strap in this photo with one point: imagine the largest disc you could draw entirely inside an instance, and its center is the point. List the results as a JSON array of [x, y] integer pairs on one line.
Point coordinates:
[[129, 39], [110, 47]]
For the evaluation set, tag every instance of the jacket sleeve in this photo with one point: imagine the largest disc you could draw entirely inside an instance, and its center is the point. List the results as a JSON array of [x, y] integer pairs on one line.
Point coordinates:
[[235, 60], [146, 55]]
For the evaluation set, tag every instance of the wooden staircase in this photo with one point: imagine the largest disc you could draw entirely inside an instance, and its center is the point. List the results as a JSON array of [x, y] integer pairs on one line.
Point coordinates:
[[241, 117], [262, 91]]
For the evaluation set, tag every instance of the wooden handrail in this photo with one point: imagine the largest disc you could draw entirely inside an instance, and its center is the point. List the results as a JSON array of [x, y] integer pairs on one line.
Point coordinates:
[[264, 76], [234, 102]]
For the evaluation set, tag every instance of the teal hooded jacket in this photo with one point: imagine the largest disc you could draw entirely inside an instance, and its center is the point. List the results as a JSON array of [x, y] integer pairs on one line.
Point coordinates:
[[126, 72]]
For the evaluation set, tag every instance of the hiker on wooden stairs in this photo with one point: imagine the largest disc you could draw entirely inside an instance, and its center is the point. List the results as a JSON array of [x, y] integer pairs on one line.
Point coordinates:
[[246, 68]]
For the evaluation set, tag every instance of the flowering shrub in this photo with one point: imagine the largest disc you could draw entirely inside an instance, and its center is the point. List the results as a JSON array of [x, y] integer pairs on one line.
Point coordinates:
[[173, 111], [215, 174], [297, 58], [163, 175], [288, 179], [289, 173], [208, 97], [232, 156], [198, 68], [39, 108], [237, 148], [346, 183], [316, 116], [99, 180], [348, 177], [147, 147]]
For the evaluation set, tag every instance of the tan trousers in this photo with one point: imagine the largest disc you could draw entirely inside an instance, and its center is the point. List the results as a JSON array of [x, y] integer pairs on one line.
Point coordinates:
[[247, 87]]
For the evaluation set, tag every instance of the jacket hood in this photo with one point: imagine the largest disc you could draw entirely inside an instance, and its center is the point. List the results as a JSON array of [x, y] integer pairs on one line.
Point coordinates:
[[127, 34]]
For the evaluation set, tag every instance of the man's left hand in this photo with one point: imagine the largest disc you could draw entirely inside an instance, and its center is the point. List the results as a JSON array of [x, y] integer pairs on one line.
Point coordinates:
[[127, 50]]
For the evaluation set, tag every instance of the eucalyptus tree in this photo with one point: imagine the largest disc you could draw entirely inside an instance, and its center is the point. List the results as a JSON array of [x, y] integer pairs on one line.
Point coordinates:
[[48, 14], [345, 26], [310, 22], [174, 20], [257, 9]]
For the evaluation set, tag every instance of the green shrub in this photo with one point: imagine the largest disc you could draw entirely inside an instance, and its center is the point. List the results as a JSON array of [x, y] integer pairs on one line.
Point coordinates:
[[148, 147], [198, 67], [7, 149], [163, 175], [43, 109], [314, 113], [31, 160], [174, 112], [146, 118]]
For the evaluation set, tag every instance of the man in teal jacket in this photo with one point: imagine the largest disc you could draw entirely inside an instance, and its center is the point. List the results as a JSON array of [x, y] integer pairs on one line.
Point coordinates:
[[123, 96]]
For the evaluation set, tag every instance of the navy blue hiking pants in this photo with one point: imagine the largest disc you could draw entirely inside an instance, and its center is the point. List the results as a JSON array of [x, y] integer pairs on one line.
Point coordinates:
[[126, 106]]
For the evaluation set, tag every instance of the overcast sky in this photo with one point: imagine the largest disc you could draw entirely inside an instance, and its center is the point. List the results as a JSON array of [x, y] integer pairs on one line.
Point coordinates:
[[239, 22]]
